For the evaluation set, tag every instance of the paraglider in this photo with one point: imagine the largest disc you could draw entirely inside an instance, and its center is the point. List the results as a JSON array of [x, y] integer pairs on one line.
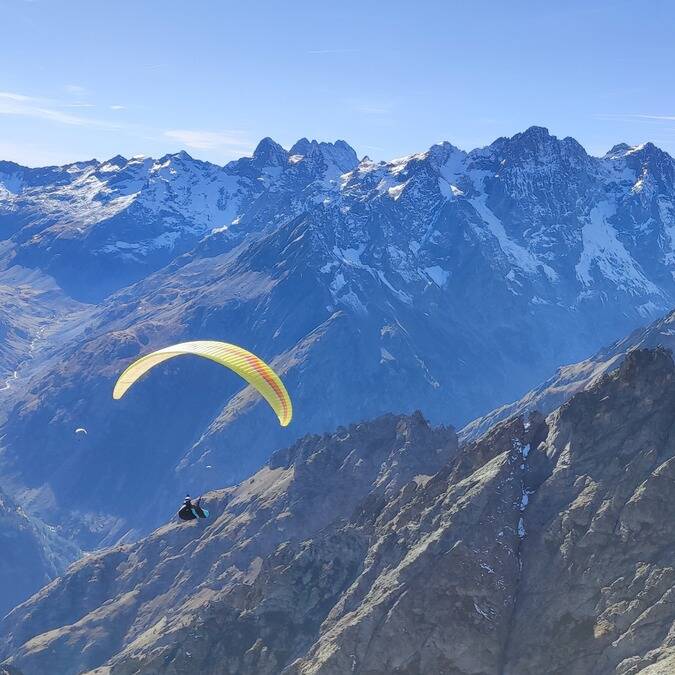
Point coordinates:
[[81, 430], [247, 365]]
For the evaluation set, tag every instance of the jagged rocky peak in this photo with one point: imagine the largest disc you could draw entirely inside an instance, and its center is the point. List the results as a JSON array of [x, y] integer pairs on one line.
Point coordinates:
[[8, 167], [536, 143], [450, 164], [318, 483], [183, 155], [439, 153], [442, 158], [618, 151], [655, 168], [532, 138], [398, 447], [339, 154], [118, 161], [536, 136], [180, 156], [636, 155], [269, 153]]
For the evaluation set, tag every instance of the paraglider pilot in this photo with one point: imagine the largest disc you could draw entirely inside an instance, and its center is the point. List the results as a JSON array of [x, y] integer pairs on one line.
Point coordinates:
[[191, 510]]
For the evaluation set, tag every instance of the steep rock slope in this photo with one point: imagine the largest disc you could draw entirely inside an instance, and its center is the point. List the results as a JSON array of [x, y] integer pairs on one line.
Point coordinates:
[[32, 307], [32, 554], [541, 547], [598, 546], [302, 490]]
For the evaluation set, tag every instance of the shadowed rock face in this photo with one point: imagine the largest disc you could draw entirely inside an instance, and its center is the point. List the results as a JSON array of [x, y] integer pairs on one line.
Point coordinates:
[[546, 546], [31, 554], [598, 583], [9, 670]]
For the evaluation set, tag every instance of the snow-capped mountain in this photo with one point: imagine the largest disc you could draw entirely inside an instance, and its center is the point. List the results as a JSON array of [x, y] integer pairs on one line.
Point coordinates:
[[448, 281], [537, 203], [97, 226]]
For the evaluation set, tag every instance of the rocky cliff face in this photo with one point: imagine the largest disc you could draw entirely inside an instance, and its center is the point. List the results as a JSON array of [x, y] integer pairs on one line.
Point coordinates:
[[599, 545], [544, 546], [32, 554], [302, 491]]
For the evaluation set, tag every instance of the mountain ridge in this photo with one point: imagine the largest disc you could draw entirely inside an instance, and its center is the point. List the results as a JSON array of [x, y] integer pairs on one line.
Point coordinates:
[[520, 552], [446, 281]]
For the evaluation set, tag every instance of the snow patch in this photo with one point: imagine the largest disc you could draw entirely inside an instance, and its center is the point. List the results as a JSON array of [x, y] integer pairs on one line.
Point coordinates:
[[602, 250], [524, 500], [516, 253], [396, 191], [481, 612], [521, 528], [385, 355], [437, 274]]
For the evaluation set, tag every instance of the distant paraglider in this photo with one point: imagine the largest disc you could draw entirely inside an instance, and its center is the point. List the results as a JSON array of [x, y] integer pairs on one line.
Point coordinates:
[[247, 365], [81, 431]]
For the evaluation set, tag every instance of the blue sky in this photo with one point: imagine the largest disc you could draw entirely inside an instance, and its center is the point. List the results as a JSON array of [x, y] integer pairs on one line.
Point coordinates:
[[94, 78]]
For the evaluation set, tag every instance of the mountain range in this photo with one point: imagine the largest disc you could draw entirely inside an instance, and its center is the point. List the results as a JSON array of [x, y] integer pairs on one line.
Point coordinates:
[[543, 546], [446, 281]]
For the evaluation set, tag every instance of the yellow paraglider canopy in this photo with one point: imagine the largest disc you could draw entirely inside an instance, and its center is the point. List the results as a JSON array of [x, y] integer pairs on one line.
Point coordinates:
[[254, 370]]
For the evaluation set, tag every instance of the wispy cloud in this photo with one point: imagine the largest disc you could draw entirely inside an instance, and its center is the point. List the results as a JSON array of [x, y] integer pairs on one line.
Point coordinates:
[[338, 50], [371, 107], [19, 105], [210, 140], [662, 118], [635, 117], [11, 96], [76, 89], [225, 143]]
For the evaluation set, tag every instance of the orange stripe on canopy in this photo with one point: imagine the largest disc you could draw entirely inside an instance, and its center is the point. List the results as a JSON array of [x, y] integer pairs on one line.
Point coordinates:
[[247, 365]]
